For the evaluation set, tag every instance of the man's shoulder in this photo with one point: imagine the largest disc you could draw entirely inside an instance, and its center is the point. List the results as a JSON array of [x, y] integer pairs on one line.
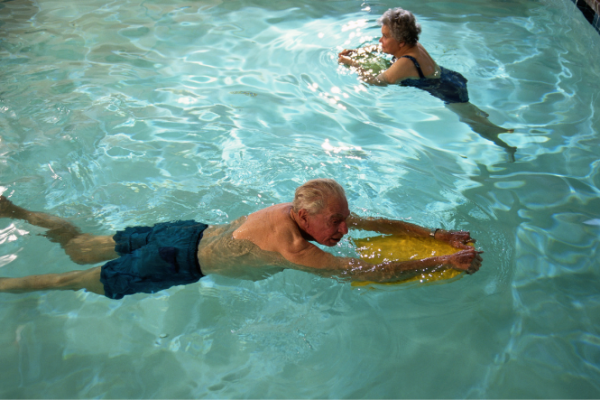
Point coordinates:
[[270, 228], [275, 210], [286, 234]]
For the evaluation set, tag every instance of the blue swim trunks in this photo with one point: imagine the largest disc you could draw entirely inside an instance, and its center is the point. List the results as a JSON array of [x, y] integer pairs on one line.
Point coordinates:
[[153, 258]]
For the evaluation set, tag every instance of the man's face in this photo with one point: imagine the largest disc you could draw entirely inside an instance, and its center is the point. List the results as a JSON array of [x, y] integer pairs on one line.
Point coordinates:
[[329, 226]]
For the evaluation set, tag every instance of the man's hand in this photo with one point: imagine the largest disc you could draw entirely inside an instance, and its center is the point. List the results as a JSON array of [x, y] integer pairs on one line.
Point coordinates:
[[466, 260], [458, 239]]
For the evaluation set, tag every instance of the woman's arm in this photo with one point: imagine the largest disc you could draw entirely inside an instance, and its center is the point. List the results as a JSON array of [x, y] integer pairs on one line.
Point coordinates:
[[360, 51], [347, 57], [365, 75], [401, 69]]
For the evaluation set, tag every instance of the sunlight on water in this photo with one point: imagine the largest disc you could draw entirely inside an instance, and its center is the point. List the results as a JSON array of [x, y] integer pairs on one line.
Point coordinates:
[[129, 113]]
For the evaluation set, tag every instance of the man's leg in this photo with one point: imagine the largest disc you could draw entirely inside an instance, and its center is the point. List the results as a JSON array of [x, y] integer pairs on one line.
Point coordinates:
[[88, 279], [83, 248]]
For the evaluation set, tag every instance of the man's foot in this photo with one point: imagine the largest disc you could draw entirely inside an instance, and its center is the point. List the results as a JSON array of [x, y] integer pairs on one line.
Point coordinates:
[[6, 207]]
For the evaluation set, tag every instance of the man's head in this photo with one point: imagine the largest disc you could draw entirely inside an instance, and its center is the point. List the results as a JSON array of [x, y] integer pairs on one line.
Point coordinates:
[[321, 209]]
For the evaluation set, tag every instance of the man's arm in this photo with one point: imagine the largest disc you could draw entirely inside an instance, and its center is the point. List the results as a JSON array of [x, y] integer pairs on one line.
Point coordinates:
[[312, 259], [458, 239]]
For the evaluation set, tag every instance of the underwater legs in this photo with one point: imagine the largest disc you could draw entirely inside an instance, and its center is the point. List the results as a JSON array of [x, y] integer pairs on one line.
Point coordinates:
[[74, 280], [479, 122], [83, 248]]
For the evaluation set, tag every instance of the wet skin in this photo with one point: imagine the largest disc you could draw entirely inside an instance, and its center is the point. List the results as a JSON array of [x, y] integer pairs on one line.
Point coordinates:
[[253, 247]]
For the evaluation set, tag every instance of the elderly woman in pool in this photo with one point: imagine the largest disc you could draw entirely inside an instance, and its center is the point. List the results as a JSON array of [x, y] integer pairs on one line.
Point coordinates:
[[413, 66]]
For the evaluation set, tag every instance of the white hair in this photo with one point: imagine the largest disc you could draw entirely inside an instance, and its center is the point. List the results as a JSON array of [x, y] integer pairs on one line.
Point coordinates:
[[314, 194]]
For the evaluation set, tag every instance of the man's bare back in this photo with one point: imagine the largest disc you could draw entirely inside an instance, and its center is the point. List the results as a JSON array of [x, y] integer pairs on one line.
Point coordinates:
[[253, 247], [259, 245], [219, 252]]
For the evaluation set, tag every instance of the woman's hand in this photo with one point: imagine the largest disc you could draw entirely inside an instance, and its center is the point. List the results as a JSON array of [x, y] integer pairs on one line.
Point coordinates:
[[347, 52], [344, 57]]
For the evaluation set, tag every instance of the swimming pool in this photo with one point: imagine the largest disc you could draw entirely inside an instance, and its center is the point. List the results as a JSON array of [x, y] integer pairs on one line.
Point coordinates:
[[122, 113]]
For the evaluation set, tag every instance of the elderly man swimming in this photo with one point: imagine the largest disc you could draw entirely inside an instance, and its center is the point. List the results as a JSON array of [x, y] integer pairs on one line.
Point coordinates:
[[150, 259]]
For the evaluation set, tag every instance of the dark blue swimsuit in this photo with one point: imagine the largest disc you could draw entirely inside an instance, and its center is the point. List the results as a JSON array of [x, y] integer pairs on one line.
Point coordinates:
[[153, 258], [451, 87]]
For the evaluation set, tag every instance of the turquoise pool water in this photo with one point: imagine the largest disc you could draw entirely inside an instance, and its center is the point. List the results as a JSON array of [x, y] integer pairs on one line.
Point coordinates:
[[129, 112]]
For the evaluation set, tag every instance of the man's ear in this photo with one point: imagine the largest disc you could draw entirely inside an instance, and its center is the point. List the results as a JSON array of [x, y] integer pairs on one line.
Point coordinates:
[[303, 216]]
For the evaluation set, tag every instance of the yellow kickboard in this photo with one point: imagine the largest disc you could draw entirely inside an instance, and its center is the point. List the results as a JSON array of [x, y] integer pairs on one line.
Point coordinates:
[[378, 249]]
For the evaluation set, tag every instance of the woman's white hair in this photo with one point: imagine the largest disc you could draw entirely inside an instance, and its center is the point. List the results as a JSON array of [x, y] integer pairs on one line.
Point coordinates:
[[403, 25], [314, 194]]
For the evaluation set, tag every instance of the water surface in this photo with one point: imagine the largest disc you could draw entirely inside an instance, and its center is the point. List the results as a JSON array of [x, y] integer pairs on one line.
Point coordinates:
[[130, 112]]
